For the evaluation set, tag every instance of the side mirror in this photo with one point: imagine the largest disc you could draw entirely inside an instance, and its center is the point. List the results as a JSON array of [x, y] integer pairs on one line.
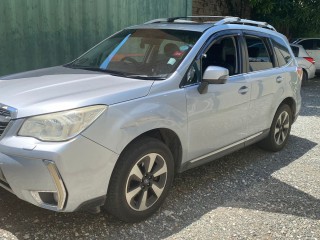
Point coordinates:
[[213, 75]]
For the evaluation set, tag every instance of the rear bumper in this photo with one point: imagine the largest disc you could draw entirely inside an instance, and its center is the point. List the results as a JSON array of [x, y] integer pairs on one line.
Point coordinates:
[[311, 71], [56, 176]]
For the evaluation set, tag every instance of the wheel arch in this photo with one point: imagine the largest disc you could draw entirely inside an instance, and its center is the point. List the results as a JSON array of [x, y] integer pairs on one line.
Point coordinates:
[[169, 138], [292, 104]]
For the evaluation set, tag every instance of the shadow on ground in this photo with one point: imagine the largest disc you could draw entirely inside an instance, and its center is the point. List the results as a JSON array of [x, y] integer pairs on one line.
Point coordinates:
[[229, 182]]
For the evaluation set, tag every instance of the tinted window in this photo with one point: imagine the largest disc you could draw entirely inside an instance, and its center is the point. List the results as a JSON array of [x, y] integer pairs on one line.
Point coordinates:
[[317, 44], [307, 44], [281, 50], [223, 53], [295, 51], [259, 57]]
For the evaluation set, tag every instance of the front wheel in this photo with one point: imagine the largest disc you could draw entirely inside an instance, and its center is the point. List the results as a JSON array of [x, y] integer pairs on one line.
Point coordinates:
[[140, 181], [279, 131]]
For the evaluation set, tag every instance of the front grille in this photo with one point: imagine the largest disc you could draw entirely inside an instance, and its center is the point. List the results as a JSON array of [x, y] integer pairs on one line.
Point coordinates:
[[5, 116], [3, 127], [5, 112]]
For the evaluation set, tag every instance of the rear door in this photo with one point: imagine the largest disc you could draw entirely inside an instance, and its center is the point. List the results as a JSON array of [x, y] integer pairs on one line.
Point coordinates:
[[266, 80]]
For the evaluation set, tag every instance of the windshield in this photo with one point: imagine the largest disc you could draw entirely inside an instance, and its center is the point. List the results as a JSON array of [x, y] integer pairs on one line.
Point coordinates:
[[139, 53]]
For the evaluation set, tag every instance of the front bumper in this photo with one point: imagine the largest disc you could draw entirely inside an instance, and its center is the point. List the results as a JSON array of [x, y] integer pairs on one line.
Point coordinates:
[[59, 176]]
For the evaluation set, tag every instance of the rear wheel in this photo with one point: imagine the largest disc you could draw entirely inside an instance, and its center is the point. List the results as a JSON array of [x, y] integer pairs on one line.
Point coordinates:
[[304, 77], [279, 131], [141, 180]]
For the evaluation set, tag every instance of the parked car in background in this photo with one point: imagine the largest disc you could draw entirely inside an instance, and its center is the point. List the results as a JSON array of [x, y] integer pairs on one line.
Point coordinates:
[[312, 46], [304, 60]]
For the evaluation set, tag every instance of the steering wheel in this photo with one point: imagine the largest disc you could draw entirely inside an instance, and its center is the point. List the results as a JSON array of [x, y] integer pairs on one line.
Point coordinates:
[[129, 59]]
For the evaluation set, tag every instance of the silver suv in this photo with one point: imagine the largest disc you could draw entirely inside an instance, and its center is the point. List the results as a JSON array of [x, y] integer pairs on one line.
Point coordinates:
[[114, 126]]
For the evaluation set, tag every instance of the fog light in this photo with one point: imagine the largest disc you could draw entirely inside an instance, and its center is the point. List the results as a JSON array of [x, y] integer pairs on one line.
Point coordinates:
[[45, 199], [56, 197]]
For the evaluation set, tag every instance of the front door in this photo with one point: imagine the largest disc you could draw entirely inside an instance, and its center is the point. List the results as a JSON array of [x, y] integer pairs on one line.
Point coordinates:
[[218, 118]]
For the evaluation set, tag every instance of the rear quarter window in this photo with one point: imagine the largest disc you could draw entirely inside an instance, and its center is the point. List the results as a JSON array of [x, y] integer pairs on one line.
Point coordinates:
[[281, 50]]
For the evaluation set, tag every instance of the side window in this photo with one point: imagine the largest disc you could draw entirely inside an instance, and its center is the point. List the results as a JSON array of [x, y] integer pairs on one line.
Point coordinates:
[[259, 57], [193, 74], [281, 50], [223, 52], [307, 44]]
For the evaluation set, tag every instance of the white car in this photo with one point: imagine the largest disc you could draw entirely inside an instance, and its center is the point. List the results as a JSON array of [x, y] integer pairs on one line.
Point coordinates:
[[304, 60], [312, 46], [112, 128]]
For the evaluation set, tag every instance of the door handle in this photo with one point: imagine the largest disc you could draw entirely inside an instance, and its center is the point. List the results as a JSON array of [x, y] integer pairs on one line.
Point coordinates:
[[243, 90], [279, 79]]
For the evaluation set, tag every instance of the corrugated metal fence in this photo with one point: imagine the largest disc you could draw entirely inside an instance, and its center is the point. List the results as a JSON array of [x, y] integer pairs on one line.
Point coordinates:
[[41, 33]]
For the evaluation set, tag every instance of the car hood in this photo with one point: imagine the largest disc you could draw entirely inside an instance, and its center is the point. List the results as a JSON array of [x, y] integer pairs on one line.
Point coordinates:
[[60, 88]]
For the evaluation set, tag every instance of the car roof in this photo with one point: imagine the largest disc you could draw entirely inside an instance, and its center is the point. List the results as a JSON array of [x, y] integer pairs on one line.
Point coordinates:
[[296, 45], [306, 38], [297, 41]]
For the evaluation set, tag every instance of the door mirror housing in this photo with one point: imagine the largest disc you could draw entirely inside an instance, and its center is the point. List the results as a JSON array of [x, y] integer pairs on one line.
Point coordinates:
[[213, 75], [216, 75]]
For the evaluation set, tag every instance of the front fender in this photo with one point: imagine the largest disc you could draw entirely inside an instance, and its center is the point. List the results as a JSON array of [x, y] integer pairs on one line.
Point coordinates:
[[124, 122]]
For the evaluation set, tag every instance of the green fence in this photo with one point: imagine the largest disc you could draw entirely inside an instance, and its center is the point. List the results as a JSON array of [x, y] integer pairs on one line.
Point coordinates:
[[42, 33]]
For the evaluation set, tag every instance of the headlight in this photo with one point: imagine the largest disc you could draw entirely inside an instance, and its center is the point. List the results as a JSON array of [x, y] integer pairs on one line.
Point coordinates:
[[61, 126]]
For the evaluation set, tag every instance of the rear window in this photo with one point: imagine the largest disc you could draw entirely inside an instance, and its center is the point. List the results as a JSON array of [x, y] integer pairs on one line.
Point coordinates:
[[307, 44], [281, 50], [317, 44]]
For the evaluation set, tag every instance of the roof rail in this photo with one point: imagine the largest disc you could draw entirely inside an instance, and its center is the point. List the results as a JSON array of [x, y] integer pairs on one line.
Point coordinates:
[[185, 19], [217, 20], [159, 20], [236, 20]]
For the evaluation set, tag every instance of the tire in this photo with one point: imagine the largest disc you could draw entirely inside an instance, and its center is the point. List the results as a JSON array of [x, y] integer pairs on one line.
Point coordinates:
[[137, 189], [304, 78], [279, 131]]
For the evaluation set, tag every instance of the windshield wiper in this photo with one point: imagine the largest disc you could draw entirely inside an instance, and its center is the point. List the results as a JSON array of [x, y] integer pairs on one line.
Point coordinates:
[[145, 77], [114, 73]]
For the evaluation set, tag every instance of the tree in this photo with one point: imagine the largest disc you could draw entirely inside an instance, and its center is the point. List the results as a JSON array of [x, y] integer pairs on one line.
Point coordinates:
[[294, 18]]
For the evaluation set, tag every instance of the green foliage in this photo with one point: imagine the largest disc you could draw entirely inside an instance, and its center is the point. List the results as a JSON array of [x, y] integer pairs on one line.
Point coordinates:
[[294, 18]]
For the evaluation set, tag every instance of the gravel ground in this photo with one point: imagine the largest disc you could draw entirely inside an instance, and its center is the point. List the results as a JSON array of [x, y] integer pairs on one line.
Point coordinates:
[[251, 194]]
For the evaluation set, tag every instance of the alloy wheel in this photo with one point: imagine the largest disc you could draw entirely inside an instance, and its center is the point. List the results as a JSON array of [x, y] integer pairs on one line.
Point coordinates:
[[146, 182], [282, 128]]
